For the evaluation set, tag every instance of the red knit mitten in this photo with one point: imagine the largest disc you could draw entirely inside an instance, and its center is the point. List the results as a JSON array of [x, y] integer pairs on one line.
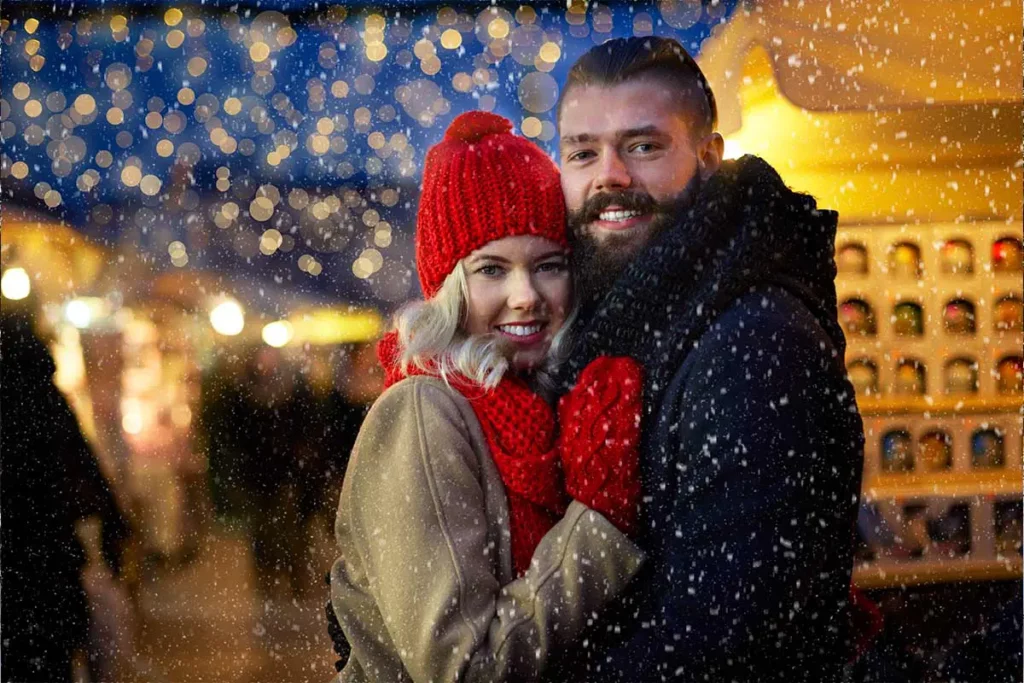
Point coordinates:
[[600, 439]]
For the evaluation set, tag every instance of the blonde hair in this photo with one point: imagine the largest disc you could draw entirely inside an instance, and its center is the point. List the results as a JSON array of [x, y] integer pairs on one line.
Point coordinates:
[[431, 338]]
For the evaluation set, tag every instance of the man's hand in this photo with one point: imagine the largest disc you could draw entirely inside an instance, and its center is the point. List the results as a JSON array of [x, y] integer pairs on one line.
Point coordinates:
[[600, 437]]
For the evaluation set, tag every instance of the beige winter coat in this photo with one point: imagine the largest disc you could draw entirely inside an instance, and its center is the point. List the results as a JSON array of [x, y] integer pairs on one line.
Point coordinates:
[[424, 587]]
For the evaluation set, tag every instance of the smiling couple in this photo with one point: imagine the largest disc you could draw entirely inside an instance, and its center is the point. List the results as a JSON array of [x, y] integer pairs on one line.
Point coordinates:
[[617, 441]]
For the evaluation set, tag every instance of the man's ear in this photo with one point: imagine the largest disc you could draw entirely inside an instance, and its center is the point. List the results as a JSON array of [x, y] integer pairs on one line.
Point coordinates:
[[709, 155]]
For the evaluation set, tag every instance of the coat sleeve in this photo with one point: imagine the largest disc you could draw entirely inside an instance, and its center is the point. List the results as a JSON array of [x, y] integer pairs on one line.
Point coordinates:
[[418, 514], [754, 562]]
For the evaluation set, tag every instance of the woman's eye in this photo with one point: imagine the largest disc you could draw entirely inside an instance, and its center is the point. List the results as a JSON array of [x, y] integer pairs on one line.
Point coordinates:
[[551, 267], [489, 271]]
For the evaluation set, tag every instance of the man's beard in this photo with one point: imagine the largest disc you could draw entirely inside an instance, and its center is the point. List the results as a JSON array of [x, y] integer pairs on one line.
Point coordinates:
[[598, 263]]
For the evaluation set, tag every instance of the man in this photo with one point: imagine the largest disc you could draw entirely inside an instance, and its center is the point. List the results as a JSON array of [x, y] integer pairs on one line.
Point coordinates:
[[719, 280]]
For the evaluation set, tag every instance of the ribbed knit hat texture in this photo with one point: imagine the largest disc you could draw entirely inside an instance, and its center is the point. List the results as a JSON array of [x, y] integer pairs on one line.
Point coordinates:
[[482, 183]]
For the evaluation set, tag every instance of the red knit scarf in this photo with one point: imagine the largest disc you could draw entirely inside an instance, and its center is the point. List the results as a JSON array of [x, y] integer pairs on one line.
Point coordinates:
[[520, 430]]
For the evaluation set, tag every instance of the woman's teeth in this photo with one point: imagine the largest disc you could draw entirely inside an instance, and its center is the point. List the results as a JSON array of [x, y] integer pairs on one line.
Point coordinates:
[[618, 216], [521, 330]]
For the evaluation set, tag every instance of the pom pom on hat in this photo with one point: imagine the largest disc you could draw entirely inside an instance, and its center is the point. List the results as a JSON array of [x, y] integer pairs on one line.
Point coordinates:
[[475, 125]]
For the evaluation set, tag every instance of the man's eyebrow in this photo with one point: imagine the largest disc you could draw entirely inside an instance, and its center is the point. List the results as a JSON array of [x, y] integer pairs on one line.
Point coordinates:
[[640, 132], [622, 134], [577, 139]]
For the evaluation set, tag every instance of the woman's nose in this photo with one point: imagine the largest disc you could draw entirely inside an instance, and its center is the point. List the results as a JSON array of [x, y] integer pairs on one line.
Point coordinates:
[[522, 293]]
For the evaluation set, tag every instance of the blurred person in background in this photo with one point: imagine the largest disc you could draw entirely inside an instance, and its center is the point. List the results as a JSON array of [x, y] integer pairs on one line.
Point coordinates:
[[49, 482], [332, 423], [272, 440], [219, 434]]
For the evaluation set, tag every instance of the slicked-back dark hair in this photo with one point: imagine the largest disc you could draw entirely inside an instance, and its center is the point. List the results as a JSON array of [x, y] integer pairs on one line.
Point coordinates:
[[663, 59]]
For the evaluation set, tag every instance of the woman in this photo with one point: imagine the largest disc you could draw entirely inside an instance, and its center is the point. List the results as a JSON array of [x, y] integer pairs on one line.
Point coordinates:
[[460, 559]]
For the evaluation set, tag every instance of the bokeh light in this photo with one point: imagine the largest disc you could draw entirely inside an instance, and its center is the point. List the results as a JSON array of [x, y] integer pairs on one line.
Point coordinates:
[[15, 284], [78, 313], [277, 333], [227, 318]]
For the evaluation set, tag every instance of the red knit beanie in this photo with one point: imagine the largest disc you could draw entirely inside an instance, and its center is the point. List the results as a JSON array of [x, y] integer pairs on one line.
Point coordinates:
[[482, 183]]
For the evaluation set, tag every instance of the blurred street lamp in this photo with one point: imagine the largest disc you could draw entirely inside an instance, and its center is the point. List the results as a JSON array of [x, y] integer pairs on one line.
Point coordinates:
[[277, 333], [228, 318], [15, 284], [78, 313]]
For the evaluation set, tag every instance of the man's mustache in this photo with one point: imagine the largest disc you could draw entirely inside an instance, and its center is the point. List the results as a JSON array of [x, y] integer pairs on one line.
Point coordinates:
[[628, 201]]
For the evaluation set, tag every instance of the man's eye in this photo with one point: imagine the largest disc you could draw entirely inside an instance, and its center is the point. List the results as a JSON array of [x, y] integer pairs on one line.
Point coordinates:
[[581, 155], [644, 147]]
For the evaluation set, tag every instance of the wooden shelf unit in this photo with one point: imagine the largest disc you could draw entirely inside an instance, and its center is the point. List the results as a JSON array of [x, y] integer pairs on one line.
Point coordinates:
[[911, 494]]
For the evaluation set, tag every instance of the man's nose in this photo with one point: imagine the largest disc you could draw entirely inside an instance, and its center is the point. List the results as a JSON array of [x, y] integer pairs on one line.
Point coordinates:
[[522, 294], [612, 174]]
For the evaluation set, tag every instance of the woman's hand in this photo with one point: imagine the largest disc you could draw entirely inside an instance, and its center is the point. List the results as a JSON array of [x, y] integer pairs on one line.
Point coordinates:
[[600, 438]]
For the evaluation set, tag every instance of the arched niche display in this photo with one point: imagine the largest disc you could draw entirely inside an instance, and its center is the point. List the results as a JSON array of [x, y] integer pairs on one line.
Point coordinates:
[[1010, 375], [857, 318], [908, 319], [935, 451], [958, 317], [961, 376], [987, 448], [897, 451], [1009, 527], [852, 259], [910, 377], [1008, 314], [905, 260], [1006, 255], [863, 374], [956, 257]]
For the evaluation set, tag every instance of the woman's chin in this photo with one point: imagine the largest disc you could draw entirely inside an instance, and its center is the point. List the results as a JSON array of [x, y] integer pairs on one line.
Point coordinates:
[[527, 361]]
